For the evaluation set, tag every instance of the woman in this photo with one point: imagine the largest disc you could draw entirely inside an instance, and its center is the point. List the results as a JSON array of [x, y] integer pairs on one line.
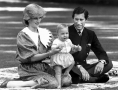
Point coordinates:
[[33, 48]]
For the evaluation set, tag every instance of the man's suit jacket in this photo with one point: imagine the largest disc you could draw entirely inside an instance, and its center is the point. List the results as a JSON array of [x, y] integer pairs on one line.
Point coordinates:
[[88, 41]]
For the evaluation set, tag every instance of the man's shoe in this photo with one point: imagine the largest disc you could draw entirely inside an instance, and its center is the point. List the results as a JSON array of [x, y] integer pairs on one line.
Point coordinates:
[[102, 79]]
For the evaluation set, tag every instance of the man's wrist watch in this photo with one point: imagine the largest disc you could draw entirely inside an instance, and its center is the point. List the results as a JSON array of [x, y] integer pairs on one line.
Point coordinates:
[[103, 61]]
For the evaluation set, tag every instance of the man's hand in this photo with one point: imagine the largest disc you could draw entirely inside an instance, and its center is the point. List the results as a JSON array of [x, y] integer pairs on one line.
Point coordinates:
[[85, 74], [99, 68]]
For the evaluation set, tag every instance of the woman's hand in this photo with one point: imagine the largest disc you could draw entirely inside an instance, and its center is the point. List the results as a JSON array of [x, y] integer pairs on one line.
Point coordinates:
[[85, 74], [99, 68], [55, 50]]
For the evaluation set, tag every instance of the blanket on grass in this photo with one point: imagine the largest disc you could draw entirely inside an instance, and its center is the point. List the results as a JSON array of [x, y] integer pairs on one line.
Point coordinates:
[[10, 73]]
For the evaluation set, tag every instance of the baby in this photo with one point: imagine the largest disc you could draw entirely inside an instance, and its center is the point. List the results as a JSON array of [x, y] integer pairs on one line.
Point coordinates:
[[63, 59]]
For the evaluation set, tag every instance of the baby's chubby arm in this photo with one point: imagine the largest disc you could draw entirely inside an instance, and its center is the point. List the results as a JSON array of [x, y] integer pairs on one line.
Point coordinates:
[[74, 48], [56, 46]]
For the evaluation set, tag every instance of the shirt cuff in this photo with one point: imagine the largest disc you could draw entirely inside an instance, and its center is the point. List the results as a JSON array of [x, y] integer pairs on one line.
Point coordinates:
[[103, 61], [79, 66]]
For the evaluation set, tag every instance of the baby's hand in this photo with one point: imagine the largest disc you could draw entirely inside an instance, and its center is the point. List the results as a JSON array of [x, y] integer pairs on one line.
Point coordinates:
[[79, 47]]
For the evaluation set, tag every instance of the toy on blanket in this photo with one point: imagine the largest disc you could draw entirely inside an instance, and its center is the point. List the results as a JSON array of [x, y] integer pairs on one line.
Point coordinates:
[[113, 73]]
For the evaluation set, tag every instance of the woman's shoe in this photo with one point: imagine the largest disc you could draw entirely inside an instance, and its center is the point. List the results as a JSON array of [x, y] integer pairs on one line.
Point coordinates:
[[4, 84]]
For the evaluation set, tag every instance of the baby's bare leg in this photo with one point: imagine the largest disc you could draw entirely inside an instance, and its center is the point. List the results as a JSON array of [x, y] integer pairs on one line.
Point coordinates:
[[58, 72], [69, 69]]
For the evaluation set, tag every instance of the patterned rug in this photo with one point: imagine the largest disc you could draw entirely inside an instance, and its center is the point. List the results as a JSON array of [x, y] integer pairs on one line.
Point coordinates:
[[10, 73]]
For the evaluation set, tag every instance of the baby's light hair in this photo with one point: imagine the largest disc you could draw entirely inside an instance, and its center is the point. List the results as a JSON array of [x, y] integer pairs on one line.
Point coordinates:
[[61, 26]]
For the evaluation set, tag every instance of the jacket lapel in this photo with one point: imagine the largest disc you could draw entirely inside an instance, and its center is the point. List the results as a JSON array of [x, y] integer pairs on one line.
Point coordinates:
[[84, 38]]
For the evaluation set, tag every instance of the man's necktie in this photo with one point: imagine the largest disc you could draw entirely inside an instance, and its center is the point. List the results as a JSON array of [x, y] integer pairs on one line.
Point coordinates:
[[79, 32]]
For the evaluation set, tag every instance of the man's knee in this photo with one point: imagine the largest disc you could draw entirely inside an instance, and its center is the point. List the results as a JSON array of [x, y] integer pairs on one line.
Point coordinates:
[[109, 66]]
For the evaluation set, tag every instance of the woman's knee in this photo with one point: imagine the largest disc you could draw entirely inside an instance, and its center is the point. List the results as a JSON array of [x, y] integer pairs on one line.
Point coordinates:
[[53, 84], [66, 80]]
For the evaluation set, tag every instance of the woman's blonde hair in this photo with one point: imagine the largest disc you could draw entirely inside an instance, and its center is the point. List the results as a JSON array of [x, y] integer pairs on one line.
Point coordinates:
[[31, 11]]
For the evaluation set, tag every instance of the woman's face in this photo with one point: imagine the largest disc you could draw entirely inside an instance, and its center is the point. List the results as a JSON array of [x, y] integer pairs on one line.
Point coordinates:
[[35, 21]]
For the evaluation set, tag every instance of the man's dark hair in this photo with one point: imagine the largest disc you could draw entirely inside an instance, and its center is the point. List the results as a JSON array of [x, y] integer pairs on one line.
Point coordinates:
[[80, 10]]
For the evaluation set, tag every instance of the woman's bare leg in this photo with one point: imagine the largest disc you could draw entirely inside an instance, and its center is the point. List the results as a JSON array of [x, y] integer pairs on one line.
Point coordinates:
[[16, 84]]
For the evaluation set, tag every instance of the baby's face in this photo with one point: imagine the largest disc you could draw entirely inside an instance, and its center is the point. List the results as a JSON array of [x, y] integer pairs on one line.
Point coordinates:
[[63, 34]]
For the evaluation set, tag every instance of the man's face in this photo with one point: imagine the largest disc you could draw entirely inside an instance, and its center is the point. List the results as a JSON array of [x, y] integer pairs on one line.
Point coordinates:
[[79, 21]]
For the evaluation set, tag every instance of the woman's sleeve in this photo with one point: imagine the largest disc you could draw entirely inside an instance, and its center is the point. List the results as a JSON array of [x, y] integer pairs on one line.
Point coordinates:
[[25, 48]]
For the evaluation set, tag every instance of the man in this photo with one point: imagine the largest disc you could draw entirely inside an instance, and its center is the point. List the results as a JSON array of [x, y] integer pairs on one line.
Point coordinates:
[[87, 39]]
